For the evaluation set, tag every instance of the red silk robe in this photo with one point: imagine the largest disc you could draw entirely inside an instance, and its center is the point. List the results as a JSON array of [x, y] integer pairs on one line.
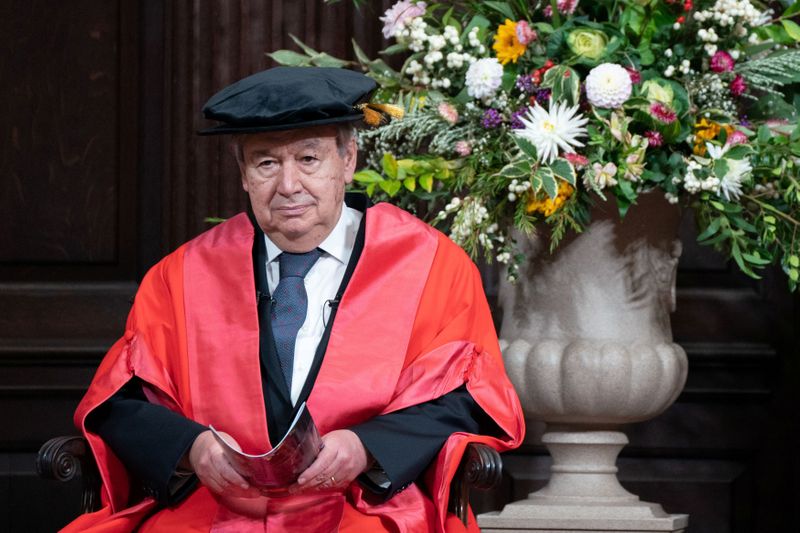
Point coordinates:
[[412, 325]]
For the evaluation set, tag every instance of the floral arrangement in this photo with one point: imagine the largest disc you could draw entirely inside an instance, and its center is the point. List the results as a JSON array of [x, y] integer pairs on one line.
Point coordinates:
[[525, 112]]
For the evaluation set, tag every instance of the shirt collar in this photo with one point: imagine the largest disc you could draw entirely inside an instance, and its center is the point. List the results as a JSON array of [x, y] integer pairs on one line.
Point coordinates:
[[338, 244]]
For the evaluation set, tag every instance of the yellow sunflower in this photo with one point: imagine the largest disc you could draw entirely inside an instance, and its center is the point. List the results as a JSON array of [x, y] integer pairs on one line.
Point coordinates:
[[506, 44]]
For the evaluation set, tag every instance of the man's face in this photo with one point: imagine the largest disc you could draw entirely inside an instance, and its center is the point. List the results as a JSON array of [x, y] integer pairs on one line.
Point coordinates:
[[296, 181]]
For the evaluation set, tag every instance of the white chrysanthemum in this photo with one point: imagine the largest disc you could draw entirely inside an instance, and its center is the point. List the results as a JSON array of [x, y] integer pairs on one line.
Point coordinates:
[[484, 77], [730, 185], [549, 131], [608, 86]]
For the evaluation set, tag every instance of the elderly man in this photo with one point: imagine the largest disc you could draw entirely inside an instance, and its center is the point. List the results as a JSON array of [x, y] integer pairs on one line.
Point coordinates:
[[373, 318]]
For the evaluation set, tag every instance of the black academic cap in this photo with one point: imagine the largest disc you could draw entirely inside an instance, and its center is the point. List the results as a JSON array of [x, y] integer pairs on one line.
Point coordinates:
[[283, 98]]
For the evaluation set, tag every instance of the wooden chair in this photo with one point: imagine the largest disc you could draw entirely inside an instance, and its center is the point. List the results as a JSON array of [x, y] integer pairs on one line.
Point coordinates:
[[67, 458]]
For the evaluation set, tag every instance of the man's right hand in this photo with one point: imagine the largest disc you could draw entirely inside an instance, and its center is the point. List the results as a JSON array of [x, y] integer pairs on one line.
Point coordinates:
[[208, 460]]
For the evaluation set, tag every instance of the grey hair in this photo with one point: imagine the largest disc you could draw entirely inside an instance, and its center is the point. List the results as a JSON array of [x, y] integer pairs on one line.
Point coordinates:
[[345, 132]]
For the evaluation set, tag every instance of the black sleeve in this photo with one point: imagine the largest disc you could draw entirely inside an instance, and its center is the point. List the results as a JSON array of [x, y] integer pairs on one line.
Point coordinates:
[[149, 439], [423, 429]]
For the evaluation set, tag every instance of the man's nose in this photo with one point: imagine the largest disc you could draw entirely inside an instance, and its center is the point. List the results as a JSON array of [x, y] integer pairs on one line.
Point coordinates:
[[289, 180]]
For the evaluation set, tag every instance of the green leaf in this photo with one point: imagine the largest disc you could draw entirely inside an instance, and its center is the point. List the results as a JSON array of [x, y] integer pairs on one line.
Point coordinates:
[[525, 145], [503, 8], [390, 187], [564, 83], [740, 151], [627, 190], [564, 170], [792, 29], [410, 184], [478, 21], [646, 55], [794, 274], [290, 58], [367, 176], [426, 182], [324, 60], [371, 189], [755, 260], [791, 10], [710, 230], [763, 134], [518, 169], [360, 54], [739, 222], [720, 168], [510, 73], [307, 49], [623, 204], [794, 261], [389, 165], [718, 205], [396, 48], [548, 181]]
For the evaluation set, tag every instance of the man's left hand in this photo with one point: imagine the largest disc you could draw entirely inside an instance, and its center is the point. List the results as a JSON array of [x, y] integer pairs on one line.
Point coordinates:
[[342, 458]]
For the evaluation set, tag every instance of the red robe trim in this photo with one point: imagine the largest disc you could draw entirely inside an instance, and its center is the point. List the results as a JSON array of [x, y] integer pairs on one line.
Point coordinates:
[[412, 325]]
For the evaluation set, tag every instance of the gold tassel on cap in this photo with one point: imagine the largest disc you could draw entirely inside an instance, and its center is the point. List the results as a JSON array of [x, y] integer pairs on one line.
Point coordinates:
[[375, 114]]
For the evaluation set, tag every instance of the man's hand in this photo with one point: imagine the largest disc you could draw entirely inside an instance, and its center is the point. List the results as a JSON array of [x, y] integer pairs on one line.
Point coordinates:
[[342, 458], [208, 460]]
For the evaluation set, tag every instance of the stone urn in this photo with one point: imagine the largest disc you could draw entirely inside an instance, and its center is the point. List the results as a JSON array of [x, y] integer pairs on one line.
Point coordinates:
[[587, 343]]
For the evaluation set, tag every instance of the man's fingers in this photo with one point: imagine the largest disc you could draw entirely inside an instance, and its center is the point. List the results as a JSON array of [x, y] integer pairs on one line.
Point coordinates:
[[228, 473], [321, 464]]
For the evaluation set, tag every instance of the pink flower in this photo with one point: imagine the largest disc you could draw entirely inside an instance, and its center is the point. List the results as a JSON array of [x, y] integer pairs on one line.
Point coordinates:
[[722, 62], [662, 113], [576, 159], [566, 7], [448, 112], [737, 137], [654, 138], [636, 77], [397, 15], [738, 85], [463, 148], [525, 34]]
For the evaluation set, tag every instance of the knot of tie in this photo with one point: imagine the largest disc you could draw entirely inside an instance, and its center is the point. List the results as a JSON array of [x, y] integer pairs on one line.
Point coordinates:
[[297, 265]]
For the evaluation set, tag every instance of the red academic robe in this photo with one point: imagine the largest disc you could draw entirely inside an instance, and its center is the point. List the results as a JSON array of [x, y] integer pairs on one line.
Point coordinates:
[[412, 325]]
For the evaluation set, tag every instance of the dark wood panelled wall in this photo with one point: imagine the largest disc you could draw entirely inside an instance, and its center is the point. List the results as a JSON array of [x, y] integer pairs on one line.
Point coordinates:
[[101, 174]]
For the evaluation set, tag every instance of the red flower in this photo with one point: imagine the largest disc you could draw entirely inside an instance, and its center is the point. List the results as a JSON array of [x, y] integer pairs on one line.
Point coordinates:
[[722, 62], [662, 113], [636, 77], [655, 139], [738, 85]]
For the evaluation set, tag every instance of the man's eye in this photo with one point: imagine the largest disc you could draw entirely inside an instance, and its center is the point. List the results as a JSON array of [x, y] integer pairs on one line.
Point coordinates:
[[266, 163], [308, 159]]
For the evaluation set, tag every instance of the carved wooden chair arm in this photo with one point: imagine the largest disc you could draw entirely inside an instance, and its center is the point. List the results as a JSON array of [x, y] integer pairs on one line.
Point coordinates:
[[481, 468], [67, 458]]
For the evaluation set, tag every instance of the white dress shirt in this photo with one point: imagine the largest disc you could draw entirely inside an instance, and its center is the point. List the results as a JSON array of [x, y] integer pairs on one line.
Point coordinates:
[[321, 282]]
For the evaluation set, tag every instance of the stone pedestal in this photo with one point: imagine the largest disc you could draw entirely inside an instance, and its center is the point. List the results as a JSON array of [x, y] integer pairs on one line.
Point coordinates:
[[583, 493], [587, 343]]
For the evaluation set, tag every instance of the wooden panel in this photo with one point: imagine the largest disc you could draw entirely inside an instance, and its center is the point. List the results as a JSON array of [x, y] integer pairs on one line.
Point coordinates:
[[59, 117], [715, 492], [211, 44], [67, 197]]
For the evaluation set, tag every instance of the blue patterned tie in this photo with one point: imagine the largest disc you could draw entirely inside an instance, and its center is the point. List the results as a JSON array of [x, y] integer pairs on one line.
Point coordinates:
[[291, 304]]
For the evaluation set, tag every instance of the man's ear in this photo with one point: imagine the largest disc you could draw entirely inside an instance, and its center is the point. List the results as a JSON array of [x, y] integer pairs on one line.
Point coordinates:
[[243, 176], [351, 157]]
